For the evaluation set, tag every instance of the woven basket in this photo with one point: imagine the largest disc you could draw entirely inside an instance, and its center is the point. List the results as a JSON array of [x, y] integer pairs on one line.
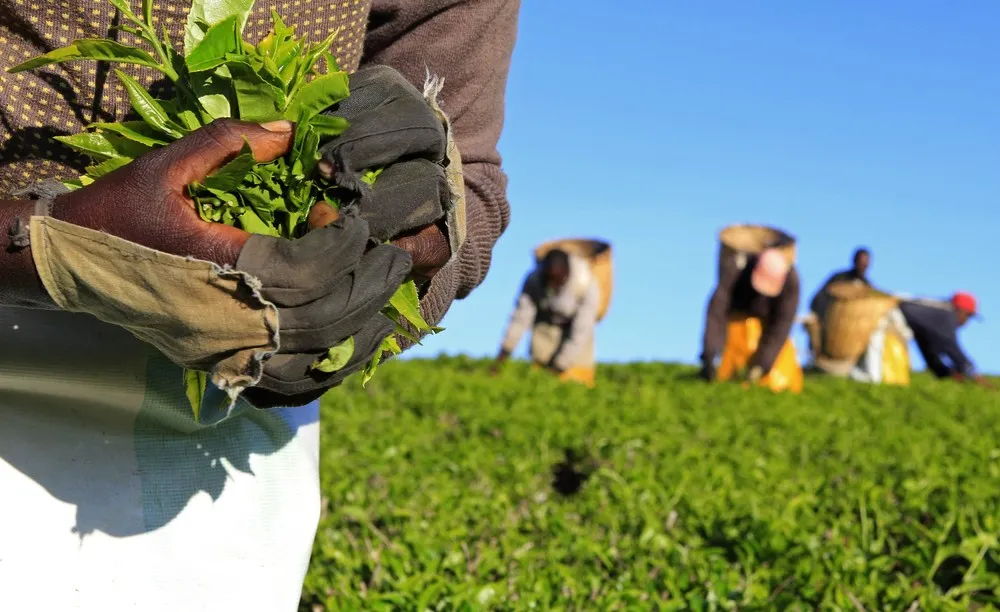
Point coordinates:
[[736, 242], [853, 315], [598, 253]]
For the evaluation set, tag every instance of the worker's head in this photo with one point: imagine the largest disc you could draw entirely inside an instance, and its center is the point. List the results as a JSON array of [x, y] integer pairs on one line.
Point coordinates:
[[965, 307], [862, 259], [555, 268], [769, 273]]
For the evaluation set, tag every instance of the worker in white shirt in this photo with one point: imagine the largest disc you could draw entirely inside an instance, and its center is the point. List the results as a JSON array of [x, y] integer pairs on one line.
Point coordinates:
[[559, 302]]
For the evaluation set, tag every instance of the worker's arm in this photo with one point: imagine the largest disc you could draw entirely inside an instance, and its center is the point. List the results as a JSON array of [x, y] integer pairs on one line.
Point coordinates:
[[469, 44], [950, 348], [821, 297], [521, 319], [718, 313], [778, 325], [581, 330], [925, 322], [933, 360]]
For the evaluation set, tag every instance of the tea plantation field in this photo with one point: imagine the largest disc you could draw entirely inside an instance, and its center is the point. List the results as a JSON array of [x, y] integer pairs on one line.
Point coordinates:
[[446, 489]]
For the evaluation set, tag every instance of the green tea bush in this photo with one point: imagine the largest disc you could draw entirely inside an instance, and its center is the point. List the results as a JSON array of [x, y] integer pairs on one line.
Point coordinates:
[[446, 489]]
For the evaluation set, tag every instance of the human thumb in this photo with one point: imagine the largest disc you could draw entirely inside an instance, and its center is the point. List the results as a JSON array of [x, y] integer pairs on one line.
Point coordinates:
[[207, 149]]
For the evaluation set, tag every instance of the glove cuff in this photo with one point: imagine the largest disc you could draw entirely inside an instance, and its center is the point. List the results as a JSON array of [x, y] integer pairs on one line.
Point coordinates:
[[197, 314], [455, 214]]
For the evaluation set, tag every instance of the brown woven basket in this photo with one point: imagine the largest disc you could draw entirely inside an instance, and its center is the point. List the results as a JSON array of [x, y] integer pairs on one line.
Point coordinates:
[[853, 315], [598, 253], [736, 241]]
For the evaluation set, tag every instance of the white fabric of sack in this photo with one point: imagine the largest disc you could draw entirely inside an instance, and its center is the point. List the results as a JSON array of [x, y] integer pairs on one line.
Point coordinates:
[[869, 367], [115, 499]]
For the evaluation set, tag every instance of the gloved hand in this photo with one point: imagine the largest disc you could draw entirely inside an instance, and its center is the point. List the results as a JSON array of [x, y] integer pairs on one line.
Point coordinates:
[[131, 250], [754, 374], [362, 284], [419, 196]]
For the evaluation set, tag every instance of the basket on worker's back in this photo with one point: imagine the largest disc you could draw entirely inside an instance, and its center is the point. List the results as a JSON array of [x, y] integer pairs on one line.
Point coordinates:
[[736, 242], [854, 314], [597, 253]]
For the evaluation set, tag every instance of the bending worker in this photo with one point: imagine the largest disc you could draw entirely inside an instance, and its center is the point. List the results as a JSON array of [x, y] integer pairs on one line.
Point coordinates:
[[935, 326], [858, 273], [765, 288], [559, 301]]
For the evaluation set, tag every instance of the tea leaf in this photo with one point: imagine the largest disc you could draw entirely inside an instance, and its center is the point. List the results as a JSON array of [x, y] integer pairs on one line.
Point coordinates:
[[309, 152], [258, 67], [221, 39], [211, 12], [392, 345], [148, 108], [309, 62], [97, 146], [252, 223], [328, 125], [331, 62], [123, 6], [337, 357], [108, 166], [91, 49], [369, 176], [388, 345], [136, 131], [216, 105], [318, 95], [195, 385], [256, 99], [407, 303], [147, 12], [229, 177], [214, 91]]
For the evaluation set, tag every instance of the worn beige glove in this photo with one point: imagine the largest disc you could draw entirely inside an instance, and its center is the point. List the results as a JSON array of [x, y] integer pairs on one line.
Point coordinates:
[[198, 314], [317, 291]]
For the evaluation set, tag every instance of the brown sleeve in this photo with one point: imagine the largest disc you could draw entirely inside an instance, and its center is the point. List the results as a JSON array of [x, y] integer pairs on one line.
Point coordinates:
[[779, 324], [469, 43], [718, 313]]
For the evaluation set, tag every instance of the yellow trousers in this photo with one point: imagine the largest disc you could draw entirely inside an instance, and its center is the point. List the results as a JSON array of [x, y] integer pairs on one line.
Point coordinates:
[[895, 361], [742, 338], [583, 375], [545, 340]]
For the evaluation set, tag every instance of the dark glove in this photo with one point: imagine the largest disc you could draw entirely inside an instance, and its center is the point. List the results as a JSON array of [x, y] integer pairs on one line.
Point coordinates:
[[391, 127], [327, 288]]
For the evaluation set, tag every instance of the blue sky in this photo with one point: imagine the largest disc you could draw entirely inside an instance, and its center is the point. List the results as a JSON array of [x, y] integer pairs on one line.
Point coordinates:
[[656, 124]]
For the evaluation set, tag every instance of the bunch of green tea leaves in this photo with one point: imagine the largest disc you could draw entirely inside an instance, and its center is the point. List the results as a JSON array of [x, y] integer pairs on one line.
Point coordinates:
[[222, 75]]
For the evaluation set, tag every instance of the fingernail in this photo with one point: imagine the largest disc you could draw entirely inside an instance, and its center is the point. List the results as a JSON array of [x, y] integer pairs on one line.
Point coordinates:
[[325, 168], [282, 125]]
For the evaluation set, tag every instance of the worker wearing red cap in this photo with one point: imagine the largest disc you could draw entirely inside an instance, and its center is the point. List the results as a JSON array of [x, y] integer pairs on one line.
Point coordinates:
[[935, 325]]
